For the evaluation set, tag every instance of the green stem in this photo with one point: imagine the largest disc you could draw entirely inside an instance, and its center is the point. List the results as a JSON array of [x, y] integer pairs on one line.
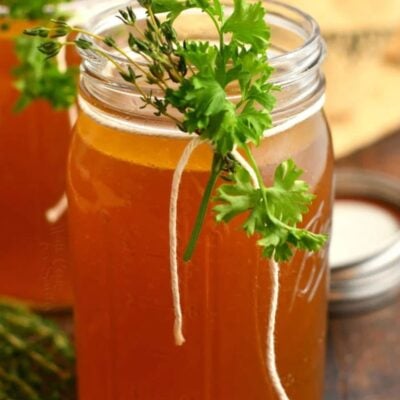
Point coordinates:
[[121, 51], [87, 33], [262, 185], [153, 22], [138, 88], [217, 26], [260, 179], [159, 35], [215, 171], [254, 165]]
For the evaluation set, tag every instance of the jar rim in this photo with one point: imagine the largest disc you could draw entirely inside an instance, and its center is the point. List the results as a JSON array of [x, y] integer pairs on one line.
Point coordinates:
[[315, 32], [311, 34], [297, 71]]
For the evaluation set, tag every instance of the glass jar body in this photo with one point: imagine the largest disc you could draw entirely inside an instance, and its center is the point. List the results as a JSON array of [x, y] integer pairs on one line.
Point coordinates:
[[119, 191], [33, 152]]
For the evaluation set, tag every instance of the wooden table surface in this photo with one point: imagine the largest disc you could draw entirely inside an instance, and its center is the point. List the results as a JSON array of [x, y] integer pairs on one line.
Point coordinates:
[[363, 360]]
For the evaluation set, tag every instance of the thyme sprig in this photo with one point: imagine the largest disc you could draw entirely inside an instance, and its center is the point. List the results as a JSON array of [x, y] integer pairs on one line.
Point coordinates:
[[195, 78]]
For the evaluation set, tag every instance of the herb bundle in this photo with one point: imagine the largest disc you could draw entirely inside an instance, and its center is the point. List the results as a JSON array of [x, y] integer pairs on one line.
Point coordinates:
[[194, 77]]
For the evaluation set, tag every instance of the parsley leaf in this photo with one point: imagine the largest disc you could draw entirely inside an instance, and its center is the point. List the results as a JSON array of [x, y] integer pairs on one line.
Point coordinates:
[[247, 25], [273, 212], [237, 197]]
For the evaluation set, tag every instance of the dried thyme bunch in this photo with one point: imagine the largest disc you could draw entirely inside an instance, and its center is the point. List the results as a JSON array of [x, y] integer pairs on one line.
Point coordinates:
[[36, 358]]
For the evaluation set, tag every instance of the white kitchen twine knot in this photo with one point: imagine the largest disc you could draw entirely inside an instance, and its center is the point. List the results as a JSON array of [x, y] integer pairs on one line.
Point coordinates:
[[173, 245]]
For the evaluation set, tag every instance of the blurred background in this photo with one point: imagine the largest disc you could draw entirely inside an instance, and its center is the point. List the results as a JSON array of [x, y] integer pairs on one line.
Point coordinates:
[[363, 68], [363, 108]]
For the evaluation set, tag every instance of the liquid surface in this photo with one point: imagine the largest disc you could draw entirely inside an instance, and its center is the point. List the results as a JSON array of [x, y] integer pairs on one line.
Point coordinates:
[[119, 188], [33, 149]]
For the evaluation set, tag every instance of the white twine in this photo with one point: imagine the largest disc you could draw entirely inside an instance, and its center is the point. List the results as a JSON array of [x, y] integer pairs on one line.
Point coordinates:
[[173, 239], [271, 323], [54, 214], [274, 268], [271, 353], [243, 162]]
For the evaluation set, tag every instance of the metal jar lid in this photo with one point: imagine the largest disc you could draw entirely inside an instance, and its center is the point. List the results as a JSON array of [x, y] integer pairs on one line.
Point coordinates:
[[365, 248]]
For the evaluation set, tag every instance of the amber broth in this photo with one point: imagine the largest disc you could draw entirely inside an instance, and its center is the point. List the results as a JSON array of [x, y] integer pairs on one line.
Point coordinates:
[[119, 188], [33, 150]]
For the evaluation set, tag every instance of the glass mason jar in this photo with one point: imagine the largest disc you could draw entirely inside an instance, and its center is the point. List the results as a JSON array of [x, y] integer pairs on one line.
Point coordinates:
[[33, 154], [121, 164]]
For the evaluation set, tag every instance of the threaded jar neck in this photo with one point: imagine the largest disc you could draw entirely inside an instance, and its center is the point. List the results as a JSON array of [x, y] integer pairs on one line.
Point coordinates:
[[296, 53]]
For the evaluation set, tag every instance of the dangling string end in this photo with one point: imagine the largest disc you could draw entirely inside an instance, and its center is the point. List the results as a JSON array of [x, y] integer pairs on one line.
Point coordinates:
[[271, 331], [173, 240], [178, 334]]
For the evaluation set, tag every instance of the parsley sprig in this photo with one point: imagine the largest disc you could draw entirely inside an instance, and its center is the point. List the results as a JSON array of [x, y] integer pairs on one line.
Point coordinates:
[[196, 78], [36, 78]]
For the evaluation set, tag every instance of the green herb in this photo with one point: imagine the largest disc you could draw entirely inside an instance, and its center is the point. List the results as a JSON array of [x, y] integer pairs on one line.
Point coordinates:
[[37, 78], [195, 78], [37, 358], [273, 212]]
